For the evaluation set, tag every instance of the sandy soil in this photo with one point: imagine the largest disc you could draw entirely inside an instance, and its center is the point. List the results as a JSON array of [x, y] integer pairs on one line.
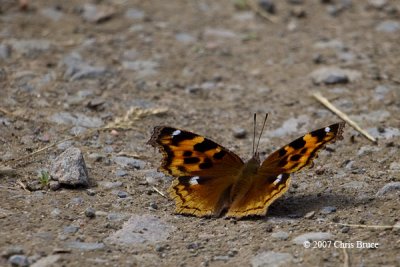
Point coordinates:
[[69, 69]]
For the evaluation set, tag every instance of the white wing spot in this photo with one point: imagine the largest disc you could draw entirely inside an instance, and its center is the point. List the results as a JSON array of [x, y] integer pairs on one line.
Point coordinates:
[[327, 129], [278, 179], [176, 132], [193, 180]]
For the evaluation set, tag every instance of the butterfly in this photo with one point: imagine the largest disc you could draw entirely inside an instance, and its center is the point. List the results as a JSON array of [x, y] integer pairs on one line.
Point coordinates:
[[210, 179]]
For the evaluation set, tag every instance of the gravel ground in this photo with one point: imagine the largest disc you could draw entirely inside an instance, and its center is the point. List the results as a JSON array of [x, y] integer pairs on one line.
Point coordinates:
[[96, 77]]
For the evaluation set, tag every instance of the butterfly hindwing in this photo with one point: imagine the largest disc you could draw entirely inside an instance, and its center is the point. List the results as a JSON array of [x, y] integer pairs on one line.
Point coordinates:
[[273, 178], [203, 169]]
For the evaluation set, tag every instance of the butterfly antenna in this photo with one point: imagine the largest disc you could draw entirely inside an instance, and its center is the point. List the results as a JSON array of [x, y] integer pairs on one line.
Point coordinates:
[[254, 132], [262, 129]]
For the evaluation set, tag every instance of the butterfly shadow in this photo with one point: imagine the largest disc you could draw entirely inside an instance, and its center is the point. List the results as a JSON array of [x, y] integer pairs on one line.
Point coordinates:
[[297, 206]]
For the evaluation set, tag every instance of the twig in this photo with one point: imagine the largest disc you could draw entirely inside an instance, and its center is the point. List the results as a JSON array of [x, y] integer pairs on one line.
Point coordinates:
[[342, 115], [260, 12], [158, 191], [4, 111], [369, 226], [346, 262], [23, 186]]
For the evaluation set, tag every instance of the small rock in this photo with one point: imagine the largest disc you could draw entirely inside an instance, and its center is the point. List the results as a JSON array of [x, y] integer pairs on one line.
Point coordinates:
[[185, 38], [290, 126], [133, 13], [143, 68], [19, 260], [388, 26], [5, 51], [239, 133], [120, 173], [313, 236], [389, 188], [131, 163], [110, 185], [345, 229], [221, 258], [328, 209], [378, 4], [30, 47], [90, 212], [96, 157], [10, 251], [47, 261], [193, 246], [85, 246], [272, 259], [76, 119], [76, 201], [71, 229], [34, 185], [122, 194], [267, 5], [116, 217], [55, 213], [69, 168], [334, 75], [153, 206], [89, 72], [280, 235], [141, 229], [309, 215], [52, 13], [395, 166], [54, 185], [91, 192], [97, 13]]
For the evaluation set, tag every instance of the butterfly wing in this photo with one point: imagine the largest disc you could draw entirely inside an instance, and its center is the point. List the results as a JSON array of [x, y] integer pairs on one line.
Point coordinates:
[[203, 169], [273, 178]]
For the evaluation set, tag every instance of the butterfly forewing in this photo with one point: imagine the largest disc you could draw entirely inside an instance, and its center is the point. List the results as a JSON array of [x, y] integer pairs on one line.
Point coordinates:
[[203, 169]]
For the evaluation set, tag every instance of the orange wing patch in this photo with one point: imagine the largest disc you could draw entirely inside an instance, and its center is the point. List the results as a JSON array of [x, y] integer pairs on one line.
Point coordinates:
[[273, 178], [203, 169]]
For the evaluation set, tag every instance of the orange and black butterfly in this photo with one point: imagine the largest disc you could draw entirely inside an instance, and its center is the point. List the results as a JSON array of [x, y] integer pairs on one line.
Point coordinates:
[[209, 178]]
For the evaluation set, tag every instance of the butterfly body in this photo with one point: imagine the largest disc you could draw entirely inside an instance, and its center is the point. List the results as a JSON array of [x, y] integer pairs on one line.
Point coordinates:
[[210, 179]]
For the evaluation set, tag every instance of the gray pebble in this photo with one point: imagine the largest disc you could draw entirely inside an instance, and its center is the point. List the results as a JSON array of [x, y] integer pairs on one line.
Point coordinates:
[[143, 68], [389, 188], [120, 173], [30, 47], [54, 185], [90, 212], [185, 38], [280, 235], [133, 13], [71, 229], [141, 229], [85, 246], [19, 260], [12, 251], [55, 213], [76, 201], [328, 209], [5, 51], [34, 185], [334, 75], [97, 156], [313, 236], [69, 168], [91, 192], [309, 215], [271, 259], [122, 194], [97, 13], [115, 216], [239, 133], [110, 185], [153, 206], [77, 119], [51, 13], [388, 26], [126, 162]]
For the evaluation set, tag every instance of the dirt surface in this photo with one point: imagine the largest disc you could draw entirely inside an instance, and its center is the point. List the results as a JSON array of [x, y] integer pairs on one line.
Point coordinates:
[[70, 69]]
